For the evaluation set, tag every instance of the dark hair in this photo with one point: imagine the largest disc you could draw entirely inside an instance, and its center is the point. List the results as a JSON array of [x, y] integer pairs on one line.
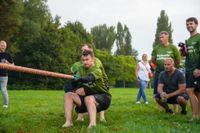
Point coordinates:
[[87, 52], [192, 19]]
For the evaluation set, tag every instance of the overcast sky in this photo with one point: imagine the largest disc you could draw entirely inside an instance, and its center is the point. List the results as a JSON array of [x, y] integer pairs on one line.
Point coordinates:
[[139, 15]]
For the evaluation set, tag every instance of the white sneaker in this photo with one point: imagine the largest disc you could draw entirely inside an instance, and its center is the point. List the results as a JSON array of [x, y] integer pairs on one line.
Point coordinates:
[[67, 124], [5, 106], [138, 102], [146, 102]]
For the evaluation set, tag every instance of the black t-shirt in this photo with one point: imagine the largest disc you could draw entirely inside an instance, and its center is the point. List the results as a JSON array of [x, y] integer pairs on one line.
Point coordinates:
[[5, 56], [171, 82]]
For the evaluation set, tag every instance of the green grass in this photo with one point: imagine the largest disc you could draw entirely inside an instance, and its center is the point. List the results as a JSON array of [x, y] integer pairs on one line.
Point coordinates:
[[42, 112]]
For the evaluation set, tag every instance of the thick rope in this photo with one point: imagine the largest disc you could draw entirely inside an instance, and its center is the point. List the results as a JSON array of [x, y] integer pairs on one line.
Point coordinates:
[[10, 67]]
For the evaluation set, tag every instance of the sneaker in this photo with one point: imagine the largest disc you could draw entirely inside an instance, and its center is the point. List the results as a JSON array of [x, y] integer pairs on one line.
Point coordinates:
[[5, 106], [146, 102], [67, 124], [138, 102], [169, 111], [184, 112]]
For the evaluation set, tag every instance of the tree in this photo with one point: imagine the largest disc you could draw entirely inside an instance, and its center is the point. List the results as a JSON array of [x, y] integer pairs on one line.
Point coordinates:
[[163, 24], [123, 40], [103, 37], [78, 29], [10, 18]]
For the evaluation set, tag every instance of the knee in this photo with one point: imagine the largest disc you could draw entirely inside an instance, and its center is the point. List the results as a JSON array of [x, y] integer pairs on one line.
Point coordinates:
[[89, 100], [68, 95], [157, 99], [180, 99], [190, 91]]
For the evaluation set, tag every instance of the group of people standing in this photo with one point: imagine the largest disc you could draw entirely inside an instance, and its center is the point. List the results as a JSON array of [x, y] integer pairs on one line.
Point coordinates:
[[171, 84]]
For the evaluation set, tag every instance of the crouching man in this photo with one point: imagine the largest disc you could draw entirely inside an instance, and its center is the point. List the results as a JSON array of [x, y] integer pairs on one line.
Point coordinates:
[[97, 96], [171, 87]]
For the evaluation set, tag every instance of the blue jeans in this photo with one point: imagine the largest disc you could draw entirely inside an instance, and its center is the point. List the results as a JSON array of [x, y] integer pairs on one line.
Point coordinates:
[[141, 92], [3, 84]]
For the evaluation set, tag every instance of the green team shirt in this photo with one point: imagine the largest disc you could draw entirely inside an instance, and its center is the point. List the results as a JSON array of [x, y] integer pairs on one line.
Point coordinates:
[[75, 68], [160, 53], [98, 86], [192, 56], [182, 62]]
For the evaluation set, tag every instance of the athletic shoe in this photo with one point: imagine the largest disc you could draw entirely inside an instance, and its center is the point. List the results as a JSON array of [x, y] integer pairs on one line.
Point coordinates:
[[5, 106], [183, 112], [67, 124], [169, 111], [146, 102], [138, 102]]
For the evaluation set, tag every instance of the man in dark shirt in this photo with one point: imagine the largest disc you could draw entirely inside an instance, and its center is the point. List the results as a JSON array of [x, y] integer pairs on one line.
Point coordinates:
[[4, 58], [171, 87]]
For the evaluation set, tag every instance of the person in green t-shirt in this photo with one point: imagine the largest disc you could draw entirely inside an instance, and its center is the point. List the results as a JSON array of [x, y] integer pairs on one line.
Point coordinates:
[[97, 97], [161, 52], [75, 69], [182, 65], [192, 68]]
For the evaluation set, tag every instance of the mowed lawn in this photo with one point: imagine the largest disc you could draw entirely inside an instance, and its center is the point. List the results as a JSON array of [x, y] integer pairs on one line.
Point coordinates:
[[36, 111]]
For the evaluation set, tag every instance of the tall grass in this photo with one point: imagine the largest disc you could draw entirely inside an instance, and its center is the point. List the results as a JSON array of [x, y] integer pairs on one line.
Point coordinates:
[[42, 112]]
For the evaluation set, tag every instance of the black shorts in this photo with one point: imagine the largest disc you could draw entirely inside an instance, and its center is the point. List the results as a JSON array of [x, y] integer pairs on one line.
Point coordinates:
[[173, 100], [193, 82], [103, 101]]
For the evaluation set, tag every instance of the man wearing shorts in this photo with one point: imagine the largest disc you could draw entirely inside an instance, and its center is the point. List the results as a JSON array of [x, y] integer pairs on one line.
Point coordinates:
[[97, 97], [171, 87], [75, 70], [192, 70]]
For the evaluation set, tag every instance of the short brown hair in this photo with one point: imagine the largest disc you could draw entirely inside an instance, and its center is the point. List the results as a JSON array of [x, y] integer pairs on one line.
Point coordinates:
[[87, 44], [192, 19], [87, 52], [164, 32]]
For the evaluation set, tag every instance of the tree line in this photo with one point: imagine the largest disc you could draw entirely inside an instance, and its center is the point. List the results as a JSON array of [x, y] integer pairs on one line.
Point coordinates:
[[37, 40]]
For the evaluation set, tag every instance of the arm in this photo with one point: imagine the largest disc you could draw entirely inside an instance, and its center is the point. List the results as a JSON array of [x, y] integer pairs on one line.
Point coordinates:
[[136, 71], [177, 57], [181, 89], [160, 88], [153, 60], [196, 72], [89, 78]]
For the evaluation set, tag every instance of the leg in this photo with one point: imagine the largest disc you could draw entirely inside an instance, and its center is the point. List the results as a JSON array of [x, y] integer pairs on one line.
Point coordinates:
[[175, 108], [198, 97], [91, 105], [80, 92], [102, 116], [182, 102], [193, 102], [3, 83], [70, 99], [164, 105], [143, 88], [139, 93]]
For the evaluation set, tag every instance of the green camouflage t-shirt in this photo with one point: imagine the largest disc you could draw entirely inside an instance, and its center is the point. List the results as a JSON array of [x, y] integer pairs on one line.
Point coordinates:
[[98, 86], [75, 68], [193, 54], [160, 53]]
